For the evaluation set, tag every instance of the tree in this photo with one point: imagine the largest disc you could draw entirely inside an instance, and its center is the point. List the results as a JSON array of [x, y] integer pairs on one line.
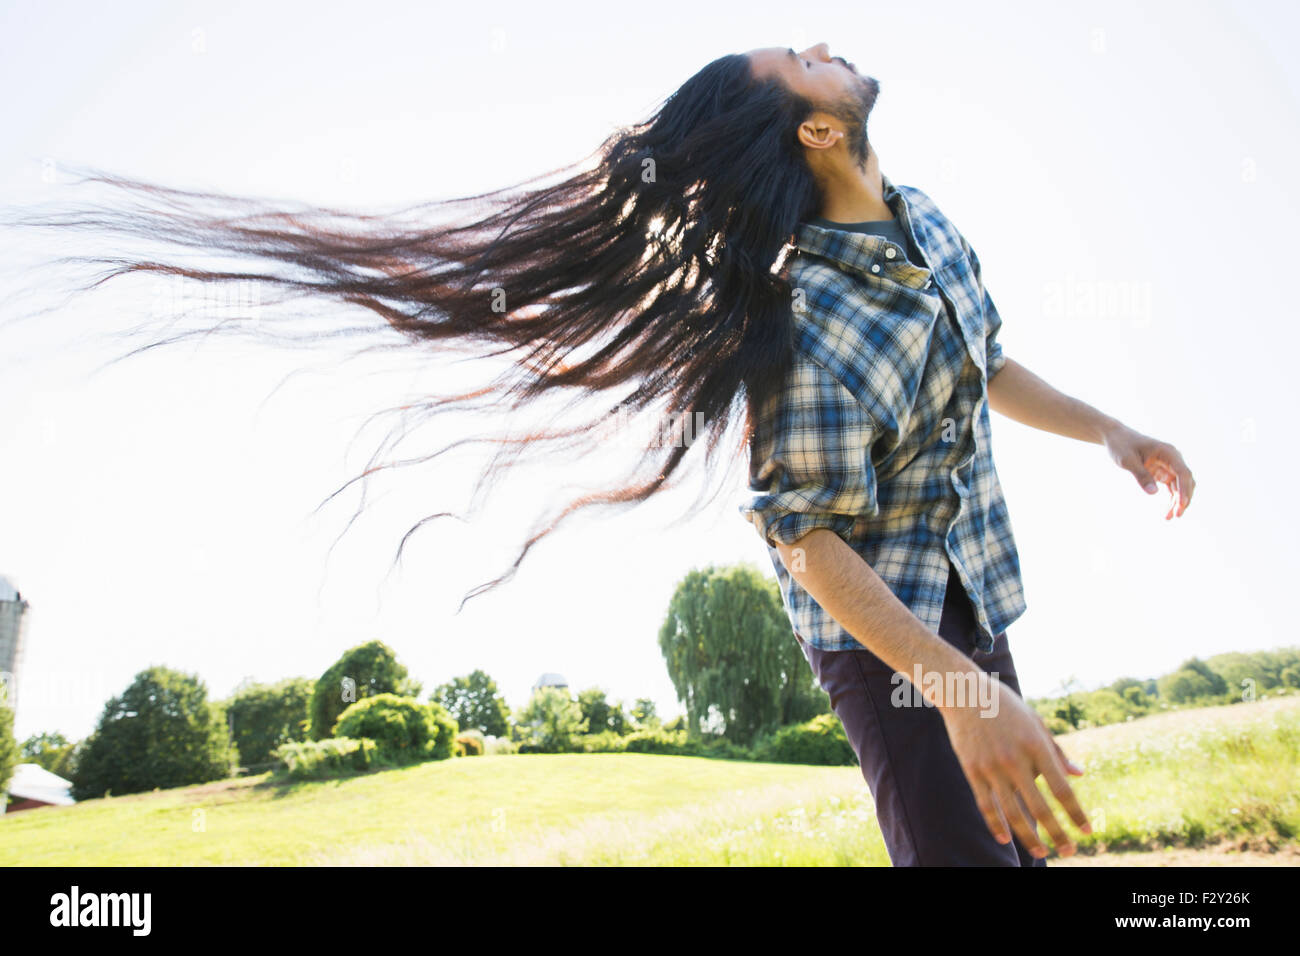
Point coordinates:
[[263, 716], [619, 721], [1185, 685], [1136, 698], [1068, 710], [361, 672], [643, 713], [1213, 679], [731, 655], [8, 748], [161, 732], [596, 709], [46, 750], [551, 720], [475, 702]]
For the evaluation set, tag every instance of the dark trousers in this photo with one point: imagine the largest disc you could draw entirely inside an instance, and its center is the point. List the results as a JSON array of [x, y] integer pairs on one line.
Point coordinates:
[[923, 801]]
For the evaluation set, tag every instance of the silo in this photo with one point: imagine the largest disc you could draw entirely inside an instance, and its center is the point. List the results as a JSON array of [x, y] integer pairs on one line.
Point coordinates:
[[13, 620]]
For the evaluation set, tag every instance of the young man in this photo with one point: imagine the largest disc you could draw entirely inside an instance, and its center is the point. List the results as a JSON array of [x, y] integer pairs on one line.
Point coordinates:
[[872, 465], [876, 492]]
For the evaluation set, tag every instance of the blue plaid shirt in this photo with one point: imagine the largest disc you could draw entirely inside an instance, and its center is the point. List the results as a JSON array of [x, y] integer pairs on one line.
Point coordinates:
[[881, 432]]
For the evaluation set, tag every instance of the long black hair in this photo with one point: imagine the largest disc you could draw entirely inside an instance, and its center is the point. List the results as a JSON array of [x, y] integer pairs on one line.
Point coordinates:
[[649, 273]]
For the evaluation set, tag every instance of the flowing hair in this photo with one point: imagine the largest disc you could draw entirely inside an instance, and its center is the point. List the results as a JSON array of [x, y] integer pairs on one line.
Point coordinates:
[[649, 273]]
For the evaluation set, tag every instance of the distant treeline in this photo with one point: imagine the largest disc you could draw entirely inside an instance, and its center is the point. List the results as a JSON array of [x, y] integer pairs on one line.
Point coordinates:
[[1230, 678]]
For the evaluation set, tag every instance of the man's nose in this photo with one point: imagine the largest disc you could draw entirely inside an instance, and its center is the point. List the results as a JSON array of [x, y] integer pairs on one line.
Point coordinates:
[[819, 51]]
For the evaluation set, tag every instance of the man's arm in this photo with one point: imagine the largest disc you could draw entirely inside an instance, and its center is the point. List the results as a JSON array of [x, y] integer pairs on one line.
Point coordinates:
[[1021, 395], [1002, 754]]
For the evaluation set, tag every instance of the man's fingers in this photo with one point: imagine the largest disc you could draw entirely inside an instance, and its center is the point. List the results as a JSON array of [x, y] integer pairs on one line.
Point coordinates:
[[1143, 476], [1070, 766], [1024, 827], [1029, 792], [1186, 483], [1167, 463], [993, 818], [1064, 794]]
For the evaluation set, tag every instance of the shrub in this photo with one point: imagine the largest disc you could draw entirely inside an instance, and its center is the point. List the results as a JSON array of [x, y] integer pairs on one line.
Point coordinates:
[[605, 742], [405, 730], [819, 741], [1057, 726], [447, 730], [1107, 707], [664, 742], [364, 671], [469, 745], [720, 748], [313, 759]]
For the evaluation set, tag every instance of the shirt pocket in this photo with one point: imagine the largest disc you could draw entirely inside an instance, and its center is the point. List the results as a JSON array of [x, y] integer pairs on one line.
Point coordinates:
[[963, 289]]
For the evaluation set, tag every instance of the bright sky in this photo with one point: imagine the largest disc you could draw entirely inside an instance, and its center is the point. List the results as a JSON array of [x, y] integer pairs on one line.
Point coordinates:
[[160, 512]]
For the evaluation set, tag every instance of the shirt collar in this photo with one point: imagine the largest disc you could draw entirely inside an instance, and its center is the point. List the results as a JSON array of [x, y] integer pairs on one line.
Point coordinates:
[[854, 251]]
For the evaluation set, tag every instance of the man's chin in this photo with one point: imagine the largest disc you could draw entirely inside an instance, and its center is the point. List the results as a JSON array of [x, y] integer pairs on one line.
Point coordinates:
[[871, 87]]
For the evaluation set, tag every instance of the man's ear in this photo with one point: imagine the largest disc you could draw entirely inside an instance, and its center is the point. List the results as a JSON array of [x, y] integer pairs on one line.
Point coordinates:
[[816, 132]]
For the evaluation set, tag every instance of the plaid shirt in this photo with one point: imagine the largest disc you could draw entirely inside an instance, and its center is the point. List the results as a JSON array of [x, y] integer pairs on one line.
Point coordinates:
[[881, 433]]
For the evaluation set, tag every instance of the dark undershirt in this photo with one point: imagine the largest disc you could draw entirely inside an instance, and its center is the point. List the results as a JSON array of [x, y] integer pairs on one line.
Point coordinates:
[[890, 229]]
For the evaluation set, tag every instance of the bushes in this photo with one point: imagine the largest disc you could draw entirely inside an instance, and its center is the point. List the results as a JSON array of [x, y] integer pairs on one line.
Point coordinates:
[[652, 741], [405, 730], [720, 748], [400, 724], [663, 742], [818, 741], [320, 758], [681, 743], [605, 742], [1055, 725], [468, 745], [363, 671]]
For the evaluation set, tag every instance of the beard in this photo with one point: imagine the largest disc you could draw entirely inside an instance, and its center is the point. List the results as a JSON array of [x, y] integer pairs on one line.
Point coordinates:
[[853, 110]]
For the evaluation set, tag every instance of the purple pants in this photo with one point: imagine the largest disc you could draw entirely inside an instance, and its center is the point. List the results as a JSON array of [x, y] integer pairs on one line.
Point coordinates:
[[923, 801]]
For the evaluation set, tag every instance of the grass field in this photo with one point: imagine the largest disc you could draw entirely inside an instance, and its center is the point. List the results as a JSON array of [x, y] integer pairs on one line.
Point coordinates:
[[1213, 777]]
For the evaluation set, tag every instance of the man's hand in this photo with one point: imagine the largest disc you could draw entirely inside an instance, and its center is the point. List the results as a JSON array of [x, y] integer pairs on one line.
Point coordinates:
[[1150, 461], [1002, 757]]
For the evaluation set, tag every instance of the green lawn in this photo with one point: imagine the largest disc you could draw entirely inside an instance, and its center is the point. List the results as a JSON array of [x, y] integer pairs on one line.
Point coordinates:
[[1175, 779], [530, 808]]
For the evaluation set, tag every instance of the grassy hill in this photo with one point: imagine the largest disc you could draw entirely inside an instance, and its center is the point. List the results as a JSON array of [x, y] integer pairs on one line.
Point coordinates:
[[1185, 779]]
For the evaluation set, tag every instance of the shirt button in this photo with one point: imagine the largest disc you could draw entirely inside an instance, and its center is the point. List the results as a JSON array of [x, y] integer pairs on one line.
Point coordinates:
[[928, 283], [889, 253], [875, 267]]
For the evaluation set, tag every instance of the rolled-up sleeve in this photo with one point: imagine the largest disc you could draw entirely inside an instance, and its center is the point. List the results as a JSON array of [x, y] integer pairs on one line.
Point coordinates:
[[811, 466]]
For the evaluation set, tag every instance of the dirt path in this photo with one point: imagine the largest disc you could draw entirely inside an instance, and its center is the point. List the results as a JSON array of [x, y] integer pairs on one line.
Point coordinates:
[[1210, 856]]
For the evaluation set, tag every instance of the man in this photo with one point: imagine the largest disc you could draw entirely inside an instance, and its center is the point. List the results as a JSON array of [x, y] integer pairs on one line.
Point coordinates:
[[876, 492], [654, 280]]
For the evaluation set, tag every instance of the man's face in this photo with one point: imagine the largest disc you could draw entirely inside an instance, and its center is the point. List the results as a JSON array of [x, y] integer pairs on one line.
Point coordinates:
[[832, 83]]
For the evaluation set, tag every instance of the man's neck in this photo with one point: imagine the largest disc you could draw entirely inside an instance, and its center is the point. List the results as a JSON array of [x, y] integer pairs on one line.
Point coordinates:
[[857, 195]]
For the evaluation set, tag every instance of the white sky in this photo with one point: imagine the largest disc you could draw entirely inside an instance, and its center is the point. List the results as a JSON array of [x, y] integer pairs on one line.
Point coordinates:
[[160, 512]]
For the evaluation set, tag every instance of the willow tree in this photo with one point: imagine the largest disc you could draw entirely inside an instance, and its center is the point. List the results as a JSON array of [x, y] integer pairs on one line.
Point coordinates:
[[731, 655]]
